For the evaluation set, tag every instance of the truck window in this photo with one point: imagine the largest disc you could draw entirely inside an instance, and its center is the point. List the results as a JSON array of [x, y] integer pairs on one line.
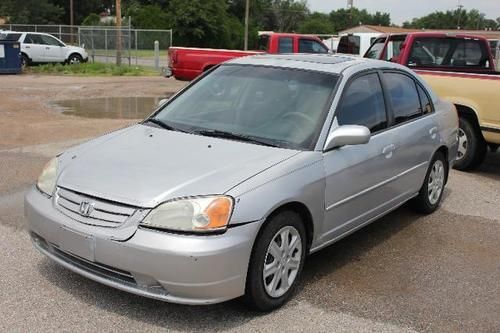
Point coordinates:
[[311, 46], [263, 43], [285, 45], [375, 51], [349, 44], [448, 52], [403, 96]]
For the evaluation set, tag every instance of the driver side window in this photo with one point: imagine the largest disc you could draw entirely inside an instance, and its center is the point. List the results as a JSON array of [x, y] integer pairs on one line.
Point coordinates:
[[363, 104]]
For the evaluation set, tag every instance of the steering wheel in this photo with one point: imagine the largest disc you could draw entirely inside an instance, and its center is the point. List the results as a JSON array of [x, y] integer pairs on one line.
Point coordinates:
[[301, 117]]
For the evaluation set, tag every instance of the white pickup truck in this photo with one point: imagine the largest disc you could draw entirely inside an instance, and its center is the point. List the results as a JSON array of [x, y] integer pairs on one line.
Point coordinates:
[[37, 47]]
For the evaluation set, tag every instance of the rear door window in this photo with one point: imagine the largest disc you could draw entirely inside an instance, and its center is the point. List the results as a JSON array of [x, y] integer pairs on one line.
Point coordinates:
[[425, 101], [363, 104], [285, 45], [311, 46], [33, 39], [349, 44], [405, 101]]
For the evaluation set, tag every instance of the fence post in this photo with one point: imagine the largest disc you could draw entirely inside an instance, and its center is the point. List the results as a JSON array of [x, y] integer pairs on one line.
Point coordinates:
[[92, 42], [129, 41], [79, 38], [136, 55], [157, 54], [106, 43]]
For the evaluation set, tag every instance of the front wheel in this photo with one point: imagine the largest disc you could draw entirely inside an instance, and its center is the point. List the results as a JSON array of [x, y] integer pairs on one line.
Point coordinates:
[[276, 262], [431, 192], [75, 59]]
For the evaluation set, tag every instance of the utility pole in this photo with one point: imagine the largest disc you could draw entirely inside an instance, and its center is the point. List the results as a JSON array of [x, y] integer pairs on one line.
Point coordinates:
[[459, 15], [71, 20], [118, 32], [247, 12]]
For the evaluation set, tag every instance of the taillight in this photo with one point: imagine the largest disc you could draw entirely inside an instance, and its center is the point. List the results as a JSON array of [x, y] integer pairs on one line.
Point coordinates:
[[173, 56]]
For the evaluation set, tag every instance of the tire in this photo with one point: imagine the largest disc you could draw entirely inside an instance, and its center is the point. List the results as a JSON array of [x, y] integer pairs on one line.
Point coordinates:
[[472, 147], [75, 59], [430, 194], [261, 293], [25, 61]]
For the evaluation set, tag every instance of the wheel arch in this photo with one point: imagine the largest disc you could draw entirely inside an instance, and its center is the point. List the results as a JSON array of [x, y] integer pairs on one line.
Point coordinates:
[[304, 213], [469, 113]]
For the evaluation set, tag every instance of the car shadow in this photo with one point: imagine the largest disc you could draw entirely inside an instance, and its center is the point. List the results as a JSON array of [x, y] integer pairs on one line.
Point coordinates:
[[491, 166]]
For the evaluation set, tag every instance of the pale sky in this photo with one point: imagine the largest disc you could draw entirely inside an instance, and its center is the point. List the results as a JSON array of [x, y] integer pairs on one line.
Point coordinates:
[[405, 10]]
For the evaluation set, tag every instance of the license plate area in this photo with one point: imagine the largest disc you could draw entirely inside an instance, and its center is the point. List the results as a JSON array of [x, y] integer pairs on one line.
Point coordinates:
[[76, 243]]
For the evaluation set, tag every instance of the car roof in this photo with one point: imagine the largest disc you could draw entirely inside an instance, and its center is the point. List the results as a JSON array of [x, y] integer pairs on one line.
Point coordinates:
[[335, 64]]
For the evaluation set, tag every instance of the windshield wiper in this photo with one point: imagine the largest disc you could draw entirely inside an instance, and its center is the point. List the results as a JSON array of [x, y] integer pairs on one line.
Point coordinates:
[[164, 125], [234, 136]]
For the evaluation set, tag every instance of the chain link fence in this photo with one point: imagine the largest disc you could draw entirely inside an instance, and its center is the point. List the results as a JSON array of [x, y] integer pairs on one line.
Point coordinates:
[[135, 47]]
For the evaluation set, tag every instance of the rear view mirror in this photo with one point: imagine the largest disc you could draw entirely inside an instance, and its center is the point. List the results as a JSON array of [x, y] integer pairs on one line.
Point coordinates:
[[347, 135]]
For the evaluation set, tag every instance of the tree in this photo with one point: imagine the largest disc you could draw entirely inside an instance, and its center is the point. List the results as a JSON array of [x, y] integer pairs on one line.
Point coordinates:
[[31, 11], [289, 14], [347, 18], [149, 17], [317, 23], [81, 10], [200, 22]]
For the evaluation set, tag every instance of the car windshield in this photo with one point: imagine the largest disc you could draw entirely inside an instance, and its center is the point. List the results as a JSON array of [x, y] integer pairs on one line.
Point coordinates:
[[278, 106]]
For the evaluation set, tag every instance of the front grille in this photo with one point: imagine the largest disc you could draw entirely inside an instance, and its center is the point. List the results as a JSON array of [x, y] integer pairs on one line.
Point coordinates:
[[99, 212]]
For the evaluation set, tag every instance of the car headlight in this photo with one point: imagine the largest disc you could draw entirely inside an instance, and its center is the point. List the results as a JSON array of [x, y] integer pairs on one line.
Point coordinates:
[[47, 179], [200, 214]]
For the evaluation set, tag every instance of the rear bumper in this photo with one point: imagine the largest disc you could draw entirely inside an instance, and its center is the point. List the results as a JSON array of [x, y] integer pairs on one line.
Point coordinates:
[[170, 267]]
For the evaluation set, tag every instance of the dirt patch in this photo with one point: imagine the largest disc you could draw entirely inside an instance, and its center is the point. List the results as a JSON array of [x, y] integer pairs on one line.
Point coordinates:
[[29, 117]]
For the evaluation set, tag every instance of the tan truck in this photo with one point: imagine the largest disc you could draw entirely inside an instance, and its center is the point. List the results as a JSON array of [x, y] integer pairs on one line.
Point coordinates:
[[460, 69]]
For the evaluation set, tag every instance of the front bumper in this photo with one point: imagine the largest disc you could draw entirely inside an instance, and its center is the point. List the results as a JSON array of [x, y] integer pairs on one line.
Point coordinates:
[[176, 268]]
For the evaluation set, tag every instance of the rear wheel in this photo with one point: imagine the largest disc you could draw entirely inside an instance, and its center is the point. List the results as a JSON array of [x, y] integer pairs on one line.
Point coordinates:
[[431, 192], [471, 146], [25, 61], [276, 262]]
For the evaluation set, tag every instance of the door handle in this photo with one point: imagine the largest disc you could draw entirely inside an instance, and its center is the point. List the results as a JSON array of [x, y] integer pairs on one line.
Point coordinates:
[[27, 46], [47, 48], [433, 132], [388, 150]]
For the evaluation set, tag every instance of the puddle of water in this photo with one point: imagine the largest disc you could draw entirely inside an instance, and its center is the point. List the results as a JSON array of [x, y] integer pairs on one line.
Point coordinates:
[[110, 107]]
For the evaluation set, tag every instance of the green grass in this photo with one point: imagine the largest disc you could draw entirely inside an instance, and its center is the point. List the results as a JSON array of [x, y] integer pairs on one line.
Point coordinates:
[[92, 69]]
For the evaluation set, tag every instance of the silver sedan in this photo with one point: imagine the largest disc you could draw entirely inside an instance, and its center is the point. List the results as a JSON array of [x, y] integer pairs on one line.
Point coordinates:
[[224, 190]]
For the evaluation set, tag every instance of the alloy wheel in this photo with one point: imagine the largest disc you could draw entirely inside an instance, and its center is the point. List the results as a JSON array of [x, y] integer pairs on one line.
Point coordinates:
[[282, 261], [436, 182]]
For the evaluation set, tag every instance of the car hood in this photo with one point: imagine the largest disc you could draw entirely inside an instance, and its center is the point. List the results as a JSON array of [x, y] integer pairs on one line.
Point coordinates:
[[145, 166]]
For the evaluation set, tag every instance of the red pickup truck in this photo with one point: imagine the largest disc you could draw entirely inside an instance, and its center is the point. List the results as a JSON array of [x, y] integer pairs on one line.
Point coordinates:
[[186, 63], [460, 68]]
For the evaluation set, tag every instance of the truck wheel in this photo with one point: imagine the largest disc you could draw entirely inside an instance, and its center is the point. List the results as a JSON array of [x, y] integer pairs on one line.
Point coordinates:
[[471, 146], [276, 262]]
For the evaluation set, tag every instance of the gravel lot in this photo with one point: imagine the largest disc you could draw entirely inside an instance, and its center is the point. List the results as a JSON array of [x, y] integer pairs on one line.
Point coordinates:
[[405, 272]]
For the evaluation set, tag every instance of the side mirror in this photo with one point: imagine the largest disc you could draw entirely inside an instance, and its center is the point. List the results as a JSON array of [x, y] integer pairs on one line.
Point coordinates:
[[347, 135], [162, 101]]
